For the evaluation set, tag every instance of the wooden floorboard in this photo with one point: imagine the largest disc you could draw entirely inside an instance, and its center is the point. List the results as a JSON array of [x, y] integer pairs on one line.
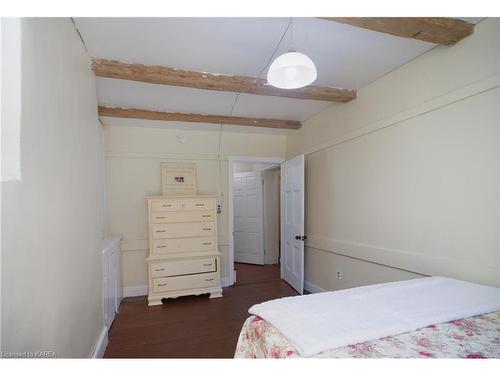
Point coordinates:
[[193, 326]]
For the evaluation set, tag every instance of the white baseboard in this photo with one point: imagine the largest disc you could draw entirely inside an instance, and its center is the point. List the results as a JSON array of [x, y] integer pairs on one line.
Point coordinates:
[[101, 344], [313, 288], [135, 291]]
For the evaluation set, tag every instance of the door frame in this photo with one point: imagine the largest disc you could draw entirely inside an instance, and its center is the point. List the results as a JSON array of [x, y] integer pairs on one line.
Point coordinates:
[[230, 209]]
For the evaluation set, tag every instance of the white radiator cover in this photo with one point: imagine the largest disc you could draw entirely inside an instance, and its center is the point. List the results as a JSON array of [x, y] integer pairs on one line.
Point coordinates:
[[112, 290]]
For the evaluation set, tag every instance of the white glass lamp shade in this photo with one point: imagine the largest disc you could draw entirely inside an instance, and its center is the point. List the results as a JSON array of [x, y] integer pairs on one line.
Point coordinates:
[[291, 71]]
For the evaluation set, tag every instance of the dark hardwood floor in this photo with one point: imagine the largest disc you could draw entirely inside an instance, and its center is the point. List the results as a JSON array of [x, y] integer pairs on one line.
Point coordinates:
[[194, 326]]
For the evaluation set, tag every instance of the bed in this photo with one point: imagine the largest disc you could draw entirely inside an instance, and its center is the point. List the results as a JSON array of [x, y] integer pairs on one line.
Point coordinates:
[[474, 336]]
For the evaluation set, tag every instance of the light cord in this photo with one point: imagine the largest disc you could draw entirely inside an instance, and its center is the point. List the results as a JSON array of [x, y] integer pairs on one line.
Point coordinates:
[[276, 48], [236, 101]]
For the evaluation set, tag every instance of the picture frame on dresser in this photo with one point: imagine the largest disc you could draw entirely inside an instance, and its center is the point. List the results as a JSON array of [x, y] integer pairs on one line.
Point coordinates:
[[178, 179], [183, 252]]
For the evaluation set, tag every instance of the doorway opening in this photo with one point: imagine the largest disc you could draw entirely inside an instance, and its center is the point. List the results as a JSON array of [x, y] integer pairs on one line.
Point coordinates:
[[254, 217]]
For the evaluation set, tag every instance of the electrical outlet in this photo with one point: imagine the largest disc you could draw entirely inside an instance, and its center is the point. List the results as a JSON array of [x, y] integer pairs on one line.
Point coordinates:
[[339, 274], [219, 208]]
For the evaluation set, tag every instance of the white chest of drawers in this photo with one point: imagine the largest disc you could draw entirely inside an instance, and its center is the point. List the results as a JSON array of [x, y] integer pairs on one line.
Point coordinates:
[[183, 253]]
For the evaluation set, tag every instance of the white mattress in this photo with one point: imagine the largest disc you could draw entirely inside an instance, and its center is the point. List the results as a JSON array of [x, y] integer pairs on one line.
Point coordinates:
[[323, 321]]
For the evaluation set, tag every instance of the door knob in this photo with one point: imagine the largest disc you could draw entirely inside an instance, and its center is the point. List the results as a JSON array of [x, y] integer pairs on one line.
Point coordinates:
[[301, 238], [297, 237]]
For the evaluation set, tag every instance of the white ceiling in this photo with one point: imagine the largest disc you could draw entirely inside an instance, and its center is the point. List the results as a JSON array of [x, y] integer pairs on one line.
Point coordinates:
[[345, 56]]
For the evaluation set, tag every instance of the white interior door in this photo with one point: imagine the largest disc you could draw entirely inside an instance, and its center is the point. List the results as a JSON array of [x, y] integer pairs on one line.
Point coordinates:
[[292, 232], [248, 218]]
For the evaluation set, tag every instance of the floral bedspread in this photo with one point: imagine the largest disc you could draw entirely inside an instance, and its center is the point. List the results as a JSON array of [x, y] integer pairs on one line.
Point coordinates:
[[476, 337]]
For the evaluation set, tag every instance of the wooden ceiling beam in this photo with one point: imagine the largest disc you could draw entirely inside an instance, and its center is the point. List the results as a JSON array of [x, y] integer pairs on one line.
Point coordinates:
[[439, 30], [189, 117], [177, 77]]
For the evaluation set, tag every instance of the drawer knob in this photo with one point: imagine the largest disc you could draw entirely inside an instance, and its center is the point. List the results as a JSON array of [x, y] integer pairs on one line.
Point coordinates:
[[200, 204], [162, 284], [160, 269], [206, 215], [207, 228], [161, 246], [212, 279], [207, 243], [207, 264], [160, 217], [160, 231]]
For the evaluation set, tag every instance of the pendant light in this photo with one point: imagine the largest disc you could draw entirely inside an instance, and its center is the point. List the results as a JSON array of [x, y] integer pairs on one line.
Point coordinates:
[[291, 70]]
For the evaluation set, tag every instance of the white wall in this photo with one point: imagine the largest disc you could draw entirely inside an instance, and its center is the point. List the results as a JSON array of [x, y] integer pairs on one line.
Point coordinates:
[[134, 151], [51, 219], [404, 180], [11, 97], [248, 167]]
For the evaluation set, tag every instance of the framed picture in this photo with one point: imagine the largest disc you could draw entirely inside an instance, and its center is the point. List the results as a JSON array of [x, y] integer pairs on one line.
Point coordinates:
[[178, 179]]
